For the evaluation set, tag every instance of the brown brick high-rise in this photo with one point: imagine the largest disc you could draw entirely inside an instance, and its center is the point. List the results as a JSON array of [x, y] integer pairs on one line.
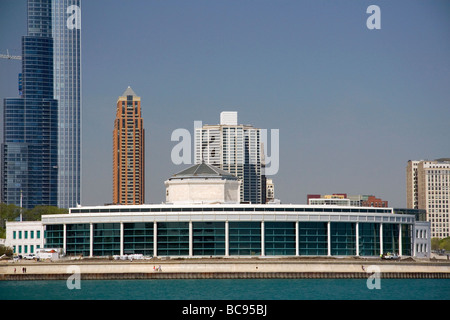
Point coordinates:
[[128, 151]]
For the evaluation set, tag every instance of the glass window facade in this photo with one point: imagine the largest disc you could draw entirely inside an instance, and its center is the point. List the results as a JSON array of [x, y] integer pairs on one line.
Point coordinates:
[[245, 238], [390, 238], [173, 238], [279, 238], [30, 141], [343, 238], [369, 239], [313, 238], [208, 238], [67, 90], [54, 236], [106, 239], [138, 238], [406, 239], [78, 239]]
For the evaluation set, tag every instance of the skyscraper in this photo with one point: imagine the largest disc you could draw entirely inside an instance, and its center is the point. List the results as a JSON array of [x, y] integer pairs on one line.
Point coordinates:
[[41, 153], [29, 150], [428, 187], [236, 149], [66, 33], [128, 151]]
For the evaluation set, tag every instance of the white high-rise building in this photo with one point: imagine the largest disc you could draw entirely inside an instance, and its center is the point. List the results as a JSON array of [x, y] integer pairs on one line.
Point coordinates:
[[235, 148], [428, 187]]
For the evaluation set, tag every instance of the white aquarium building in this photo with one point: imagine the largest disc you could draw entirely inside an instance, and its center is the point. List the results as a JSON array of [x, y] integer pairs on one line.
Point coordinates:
[[230, 230], [220, 226]]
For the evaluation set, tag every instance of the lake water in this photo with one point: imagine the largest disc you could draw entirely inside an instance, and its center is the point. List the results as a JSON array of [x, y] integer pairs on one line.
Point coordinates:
[[224, 289]]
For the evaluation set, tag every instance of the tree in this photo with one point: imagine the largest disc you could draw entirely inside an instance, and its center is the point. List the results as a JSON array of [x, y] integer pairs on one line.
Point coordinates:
[[6, 250], [439, 244], [11, 212], [37, 212], [8, 212], [435, 243], [445, 244]]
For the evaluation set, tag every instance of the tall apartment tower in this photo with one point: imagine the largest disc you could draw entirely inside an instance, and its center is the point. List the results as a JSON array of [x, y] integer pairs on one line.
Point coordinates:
[[66, 32], [30, 128], [412, 191], [428, 187], [235, 148], [128, 151]]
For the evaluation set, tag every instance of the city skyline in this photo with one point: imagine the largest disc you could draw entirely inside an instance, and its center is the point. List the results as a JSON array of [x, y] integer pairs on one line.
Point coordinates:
[[353, 105]]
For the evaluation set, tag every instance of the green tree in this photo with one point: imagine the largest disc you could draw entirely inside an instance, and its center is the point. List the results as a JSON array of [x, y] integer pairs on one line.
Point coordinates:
[[445, 244], [8, 212], [37, 212], [11, 212], [435, 243], [6, 250]]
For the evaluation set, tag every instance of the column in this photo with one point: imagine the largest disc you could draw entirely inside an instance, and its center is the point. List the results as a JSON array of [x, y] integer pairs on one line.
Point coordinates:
[[400, 248], [121, 238], [64, 238], [191, 248], [297, 238], [227, 240], [357, 238], [381, 238], [91, 240], [413, 240], [155, 239], [262, 240], [329, 237]]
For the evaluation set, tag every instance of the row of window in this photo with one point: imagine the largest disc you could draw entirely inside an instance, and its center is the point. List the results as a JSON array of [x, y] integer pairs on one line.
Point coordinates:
[[25, 249], [224, 209], [245, 238], [18, 234]]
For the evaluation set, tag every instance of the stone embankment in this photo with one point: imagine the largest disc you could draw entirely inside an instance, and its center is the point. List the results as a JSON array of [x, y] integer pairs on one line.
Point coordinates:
[[254, 268]]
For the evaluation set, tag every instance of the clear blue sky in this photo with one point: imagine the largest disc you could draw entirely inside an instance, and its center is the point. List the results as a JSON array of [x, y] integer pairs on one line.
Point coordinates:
[[353, 105]]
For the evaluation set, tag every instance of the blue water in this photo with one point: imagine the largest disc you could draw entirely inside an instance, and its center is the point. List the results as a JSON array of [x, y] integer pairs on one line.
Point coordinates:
[[249, 289]]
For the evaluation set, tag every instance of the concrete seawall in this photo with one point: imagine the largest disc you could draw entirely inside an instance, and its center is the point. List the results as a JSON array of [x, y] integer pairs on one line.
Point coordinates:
[[223, 269]]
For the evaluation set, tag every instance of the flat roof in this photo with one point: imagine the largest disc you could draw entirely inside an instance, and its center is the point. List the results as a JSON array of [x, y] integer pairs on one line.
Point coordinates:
[[226, 212]]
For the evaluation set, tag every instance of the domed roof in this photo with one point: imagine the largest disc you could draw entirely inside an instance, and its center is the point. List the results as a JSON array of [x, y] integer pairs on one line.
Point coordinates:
[[203, 170]]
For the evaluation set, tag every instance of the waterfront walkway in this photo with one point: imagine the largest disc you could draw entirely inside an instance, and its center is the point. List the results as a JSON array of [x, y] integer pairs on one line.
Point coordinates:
[[224, 268]]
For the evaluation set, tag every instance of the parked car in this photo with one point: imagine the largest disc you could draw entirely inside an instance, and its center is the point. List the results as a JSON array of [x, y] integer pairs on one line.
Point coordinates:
[[30, 256], [390, 256]]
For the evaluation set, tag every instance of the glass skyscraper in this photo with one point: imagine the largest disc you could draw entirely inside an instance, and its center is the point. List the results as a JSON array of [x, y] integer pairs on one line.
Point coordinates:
[[66, 32], [29, 150], [42, 128]]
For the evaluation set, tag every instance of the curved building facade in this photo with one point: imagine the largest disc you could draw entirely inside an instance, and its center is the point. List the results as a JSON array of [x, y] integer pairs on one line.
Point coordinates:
[[230, 230]]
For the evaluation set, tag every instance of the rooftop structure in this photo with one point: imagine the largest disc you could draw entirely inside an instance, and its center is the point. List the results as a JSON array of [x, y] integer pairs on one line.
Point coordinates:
[[202, 183]]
